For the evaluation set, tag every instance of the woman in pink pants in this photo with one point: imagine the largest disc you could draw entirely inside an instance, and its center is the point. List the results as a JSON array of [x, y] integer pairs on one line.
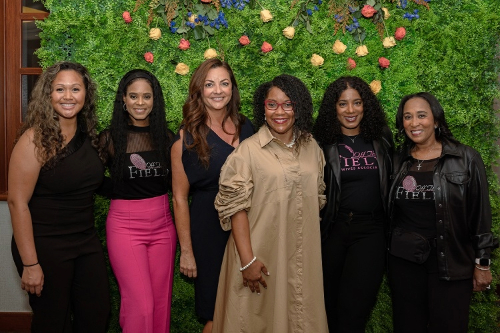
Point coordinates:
[[141, 236]]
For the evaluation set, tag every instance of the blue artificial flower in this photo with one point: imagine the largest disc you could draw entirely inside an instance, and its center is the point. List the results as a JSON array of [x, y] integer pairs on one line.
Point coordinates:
[[320, 2], [316, 7], [172, 23], [173, 30], [352, 10], [309, 12]]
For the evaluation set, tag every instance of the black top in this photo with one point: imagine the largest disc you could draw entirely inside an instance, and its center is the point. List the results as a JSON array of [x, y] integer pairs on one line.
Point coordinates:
[[62, 202], [359, 175], [142, 174], [414, 202]]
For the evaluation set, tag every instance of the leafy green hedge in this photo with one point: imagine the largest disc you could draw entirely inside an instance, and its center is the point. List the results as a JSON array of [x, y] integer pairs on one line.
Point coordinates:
[[451, 51]]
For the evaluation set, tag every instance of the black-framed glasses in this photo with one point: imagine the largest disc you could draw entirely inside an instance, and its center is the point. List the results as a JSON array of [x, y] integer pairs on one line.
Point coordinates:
[[273, 105]]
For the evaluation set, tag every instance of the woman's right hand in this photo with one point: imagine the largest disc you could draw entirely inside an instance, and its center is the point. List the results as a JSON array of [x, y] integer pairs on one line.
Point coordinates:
[[32, 279], [188, 264], [252, 276]]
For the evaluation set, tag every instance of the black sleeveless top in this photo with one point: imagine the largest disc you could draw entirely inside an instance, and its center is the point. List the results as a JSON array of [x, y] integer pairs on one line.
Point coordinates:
[[62, 202]]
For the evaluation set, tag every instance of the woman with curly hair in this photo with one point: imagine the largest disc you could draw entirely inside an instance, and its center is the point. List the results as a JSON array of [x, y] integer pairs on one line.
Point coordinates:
[[140, 231], [352, 130], [212, 127], [270, 193], [54, 171]]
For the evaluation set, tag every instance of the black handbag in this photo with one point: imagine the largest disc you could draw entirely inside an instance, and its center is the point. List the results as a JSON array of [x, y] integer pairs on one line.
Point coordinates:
[[409, 245]]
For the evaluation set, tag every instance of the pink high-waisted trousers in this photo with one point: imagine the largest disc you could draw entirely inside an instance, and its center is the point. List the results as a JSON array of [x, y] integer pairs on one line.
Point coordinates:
[[141, 240]]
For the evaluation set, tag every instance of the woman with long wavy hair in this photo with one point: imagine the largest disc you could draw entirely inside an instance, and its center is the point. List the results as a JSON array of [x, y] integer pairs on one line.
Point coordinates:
[[140, 231], [54, 171], [212, 127], [352, 130]]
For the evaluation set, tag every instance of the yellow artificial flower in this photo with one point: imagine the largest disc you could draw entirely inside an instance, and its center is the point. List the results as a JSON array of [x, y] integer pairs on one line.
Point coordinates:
[[386, 13], [155, 33], [376, 86], [210, 53], [361, 51], [289, 32], [339, 47], [317, 60], [182, 68], [389, 42], [266, 15]]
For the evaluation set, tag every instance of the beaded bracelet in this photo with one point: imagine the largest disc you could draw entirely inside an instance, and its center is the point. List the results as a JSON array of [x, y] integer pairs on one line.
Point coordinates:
[[248, 265], [483, 269], [30, 265]]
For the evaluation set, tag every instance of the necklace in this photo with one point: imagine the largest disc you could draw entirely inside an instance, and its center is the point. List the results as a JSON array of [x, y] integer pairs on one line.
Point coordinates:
[[420, 162], [352, 139], [291, 143]]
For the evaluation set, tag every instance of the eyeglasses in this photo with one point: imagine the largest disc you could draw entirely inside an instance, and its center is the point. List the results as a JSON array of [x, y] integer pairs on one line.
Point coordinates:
[[273, 105]]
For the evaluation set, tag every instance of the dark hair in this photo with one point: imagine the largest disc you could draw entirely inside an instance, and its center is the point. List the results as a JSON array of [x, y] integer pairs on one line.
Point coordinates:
[[442, 130], [298, 93], [44, 121], [327, 129], [195, 114], [158, 130]]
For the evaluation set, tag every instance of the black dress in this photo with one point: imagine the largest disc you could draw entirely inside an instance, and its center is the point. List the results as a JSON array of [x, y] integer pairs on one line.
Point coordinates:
[[208, 238], [75, 296]]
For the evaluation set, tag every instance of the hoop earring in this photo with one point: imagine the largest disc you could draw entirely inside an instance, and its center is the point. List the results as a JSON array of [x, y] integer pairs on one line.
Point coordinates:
[[55, 116], [125, 107]]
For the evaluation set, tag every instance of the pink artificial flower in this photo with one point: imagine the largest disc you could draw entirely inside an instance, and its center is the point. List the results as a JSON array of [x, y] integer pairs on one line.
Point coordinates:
[[126, 17], [184, 44], [351, 64], [400, 33], [266, 47], [148, 56], [244, 40], [384, 62], [368, 11]]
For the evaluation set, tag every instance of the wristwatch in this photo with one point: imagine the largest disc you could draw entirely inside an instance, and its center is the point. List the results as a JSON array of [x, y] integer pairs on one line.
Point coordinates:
[[483, 262]]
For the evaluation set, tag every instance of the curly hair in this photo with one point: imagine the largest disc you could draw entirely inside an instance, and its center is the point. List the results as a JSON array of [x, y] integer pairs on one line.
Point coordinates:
[[161, 137], [327, 128], [195, 115], [442, 131], [44, 121], [298, 93]]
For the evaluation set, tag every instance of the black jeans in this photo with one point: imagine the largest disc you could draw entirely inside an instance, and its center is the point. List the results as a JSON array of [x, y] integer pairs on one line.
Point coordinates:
[[353, 266], [421, 302]]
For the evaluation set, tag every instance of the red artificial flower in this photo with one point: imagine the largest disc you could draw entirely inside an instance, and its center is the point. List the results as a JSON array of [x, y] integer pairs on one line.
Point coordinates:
[[266, 47], [184, 44], [206, 1], [351, 64], [244, 40], [400, 33], [126, 17], [368, 11], [384, 62], [148, 56]]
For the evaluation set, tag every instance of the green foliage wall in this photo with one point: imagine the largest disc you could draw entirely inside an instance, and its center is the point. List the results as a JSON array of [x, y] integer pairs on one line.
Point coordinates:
[[451, 51]]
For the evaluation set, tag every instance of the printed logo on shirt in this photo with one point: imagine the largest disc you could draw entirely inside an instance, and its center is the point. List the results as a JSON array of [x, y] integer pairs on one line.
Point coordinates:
[[410, 190], [141, 168], [358, 160]]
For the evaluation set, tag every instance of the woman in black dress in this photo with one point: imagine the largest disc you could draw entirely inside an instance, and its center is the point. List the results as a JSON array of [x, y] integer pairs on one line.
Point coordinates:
[[212, 127], [53, 173]]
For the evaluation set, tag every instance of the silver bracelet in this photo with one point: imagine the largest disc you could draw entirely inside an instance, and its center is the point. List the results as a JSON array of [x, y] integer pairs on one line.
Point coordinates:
[[483, 269], [248, 265]]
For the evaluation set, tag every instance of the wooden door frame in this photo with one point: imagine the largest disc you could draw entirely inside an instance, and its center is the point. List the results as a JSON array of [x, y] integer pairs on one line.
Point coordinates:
[[11, 71]]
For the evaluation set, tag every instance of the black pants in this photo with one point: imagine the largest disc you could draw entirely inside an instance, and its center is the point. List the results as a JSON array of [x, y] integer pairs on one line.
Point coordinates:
[[422, 302], [353, 266], [75, 295]]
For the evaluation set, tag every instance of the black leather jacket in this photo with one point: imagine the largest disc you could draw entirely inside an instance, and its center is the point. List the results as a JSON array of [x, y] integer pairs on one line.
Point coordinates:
[[384, 151], [463, 212]]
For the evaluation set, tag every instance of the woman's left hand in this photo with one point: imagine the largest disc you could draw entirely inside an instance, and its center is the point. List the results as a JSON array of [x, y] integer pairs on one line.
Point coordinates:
[[481, 279]]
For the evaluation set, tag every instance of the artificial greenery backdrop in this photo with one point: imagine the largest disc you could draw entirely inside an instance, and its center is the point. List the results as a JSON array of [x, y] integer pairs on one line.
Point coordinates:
[[450, 50]]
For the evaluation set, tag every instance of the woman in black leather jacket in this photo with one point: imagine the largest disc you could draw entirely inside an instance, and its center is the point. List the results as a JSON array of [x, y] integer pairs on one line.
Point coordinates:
[[440, 220], [352, 130]]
